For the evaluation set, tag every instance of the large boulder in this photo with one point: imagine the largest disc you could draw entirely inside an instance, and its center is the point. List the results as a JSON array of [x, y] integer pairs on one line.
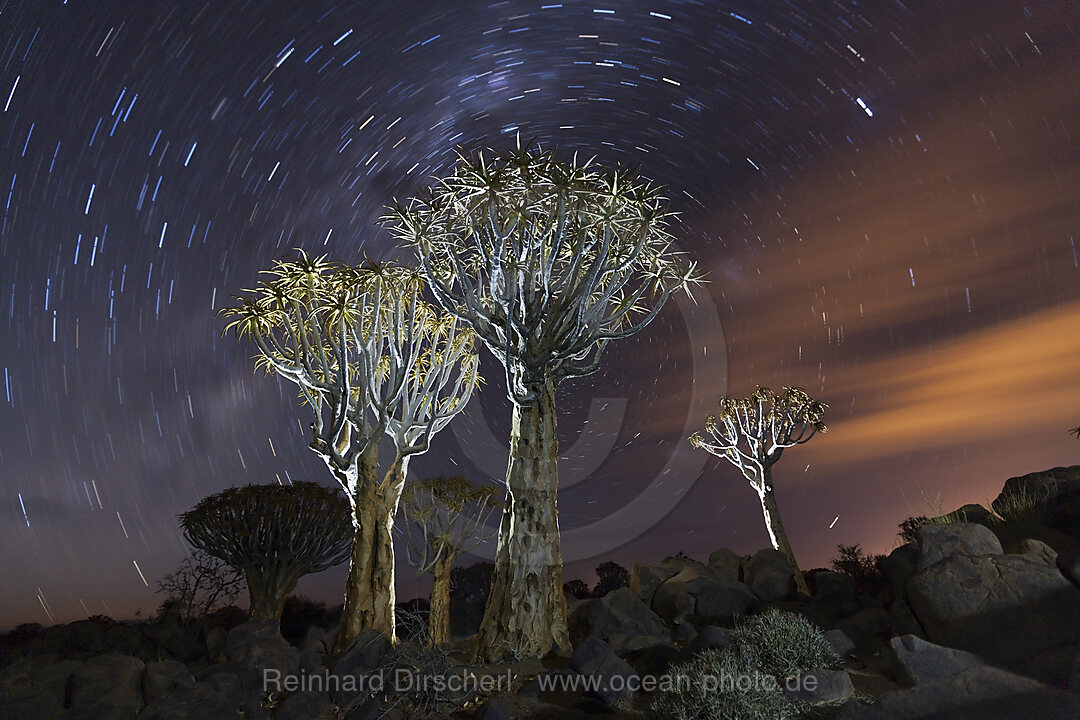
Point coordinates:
[[997, 606], [900, 566], [594, 659], [937, 542], [699, 591], [917, 661], [106, 687], [1037, 550], [982, 692], [163, 678], [818, 686], [868, 628], [769, 575], [257, 653], [370, 654], [1050, 497], [727, 563], [619, 613], [644, 579], [219, 697]]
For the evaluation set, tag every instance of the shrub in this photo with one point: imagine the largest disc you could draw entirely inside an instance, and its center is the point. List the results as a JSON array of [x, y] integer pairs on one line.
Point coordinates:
[[612, 576], [720, 685], [852, 561], [782, 644], [577, 588], [201, 585]]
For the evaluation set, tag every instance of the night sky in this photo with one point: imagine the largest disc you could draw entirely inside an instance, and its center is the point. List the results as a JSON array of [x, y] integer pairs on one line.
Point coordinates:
[[885, 197]]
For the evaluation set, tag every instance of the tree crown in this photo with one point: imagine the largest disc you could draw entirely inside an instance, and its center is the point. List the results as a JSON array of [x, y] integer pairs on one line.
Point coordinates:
[[445, 516]]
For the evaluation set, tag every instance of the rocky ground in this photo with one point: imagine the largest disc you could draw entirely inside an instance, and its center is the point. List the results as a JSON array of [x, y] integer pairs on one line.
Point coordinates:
[[977, 619]]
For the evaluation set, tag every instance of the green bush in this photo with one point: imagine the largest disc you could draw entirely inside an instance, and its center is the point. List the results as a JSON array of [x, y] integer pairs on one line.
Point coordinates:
[[720, 685], [782, 644]]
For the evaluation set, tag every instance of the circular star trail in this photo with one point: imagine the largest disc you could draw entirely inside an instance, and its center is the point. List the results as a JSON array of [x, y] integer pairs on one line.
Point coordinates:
[[885, 198]]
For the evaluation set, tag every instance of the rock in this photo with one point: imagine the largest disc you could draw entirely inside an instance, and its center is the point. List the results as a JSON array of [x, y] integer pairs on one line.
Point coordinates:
[[619, 613], [818, 686], [128, 640], [201, 700], [644, 579], [594, 658], [997, 606], [841, 643], [678, 564], [900, 566], [903, 619], [85, 637], [973, 513], [25, 705], [494, 709], [937, 542], [304, 706], [682, 630], [163, 678], [1050, 497], [180, 644], [710, 636], [1068, 562], [106, 687], [51, 679], [769, 575], [369, 652], [699, 591], [1037, 550], [868, 628], [982, 692], [726, 563], [835, 588], [656, 659], [215, 643], [256, 652], [917, 661]]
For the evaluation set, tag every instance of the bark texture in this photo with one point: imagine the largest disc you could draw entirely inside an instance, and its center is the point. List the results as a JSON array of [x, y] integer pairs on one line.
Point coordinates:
[[777, 535], [439, 613], [526, 609], [268, 590]]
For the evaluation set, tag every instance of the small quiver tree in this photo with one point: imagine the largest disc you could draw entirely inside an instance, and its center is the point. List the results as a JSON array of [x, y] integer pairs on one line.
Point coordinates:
[[445, 517], [273, 534], [548, 261], [752, 433], [372, 359]]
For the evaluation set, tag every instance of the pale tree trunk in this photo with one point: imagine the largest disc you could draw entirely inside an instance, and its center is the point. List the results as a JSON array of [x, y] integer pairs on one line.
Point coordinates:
[[382, 580], [526, 609], [439, 612], [268, 590], [775, 527], [359, 610]]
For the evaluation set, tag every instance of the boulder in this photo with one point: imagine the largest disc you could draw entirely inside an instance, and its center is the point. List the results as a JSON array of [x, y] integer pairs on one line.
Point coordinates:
[[182, 645], [370, 652], [818, 686], [255, 650], [841, 643], [982, 692], [51, 679], [997, 606], [702, 592], [677, 563], [1037, 550], [900, 566], [84, 637], [903, 619], [937, 542], [644, 579], [106, 687], [594, 658], [769, 575], [656, 659], [25, 705], [620, 613], [1050, 497], [917, 661], [215, 643], [1068, 563], [304, 706], [727, 563], [124, 639], [710, 636], [163, 678], [868, 628], [202, 700]]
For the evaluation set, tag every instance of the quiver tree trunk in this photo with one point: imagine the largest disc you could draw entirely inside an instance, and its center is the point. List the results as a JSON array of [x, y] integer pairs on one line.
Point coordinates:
[[439, 611], [526, 609], [268, 590], [775, 528]]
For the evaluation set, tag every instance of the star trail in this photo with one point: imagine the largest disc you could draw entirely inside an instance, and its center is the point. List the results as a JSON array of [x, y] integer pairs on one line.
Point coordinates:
[[885, 197]]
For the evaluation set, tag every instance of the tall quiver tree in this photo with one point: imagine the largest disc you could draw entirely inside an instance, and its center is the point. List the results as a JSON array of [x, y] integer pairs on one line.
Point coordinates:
[[548, 261], [372, 358], [273, 534], [752, 433], [444, 517]]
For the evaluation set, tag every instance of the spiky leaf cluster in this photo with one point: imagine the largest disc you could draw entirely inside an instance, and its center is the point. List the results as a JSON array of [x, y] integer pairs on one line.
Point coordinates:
[[303, 526], [753, 432], [445, 516], [369, 354], [547, 260]]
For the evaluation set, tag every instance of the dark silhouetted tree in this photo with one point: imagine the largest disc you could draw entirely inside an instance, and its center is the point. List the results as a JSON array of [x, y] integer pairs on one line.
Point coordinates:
[[549, 262], [577, 588], [371, 359], [752, 433], [611, 576], [273, 534], [202, 584], [444, 517]]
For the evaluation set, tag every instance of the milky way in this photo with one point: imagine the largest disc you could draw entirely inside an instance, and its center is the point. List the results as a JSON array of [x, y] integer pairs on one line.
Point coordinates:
[[885, 198]]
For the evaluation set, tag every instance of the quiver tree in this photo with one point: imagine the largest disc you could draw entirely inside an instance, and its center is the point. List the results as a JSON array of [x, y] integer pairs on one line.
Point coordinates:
[[372, 358], [273, 534], [548, 261], [752, 433], [444, 517]]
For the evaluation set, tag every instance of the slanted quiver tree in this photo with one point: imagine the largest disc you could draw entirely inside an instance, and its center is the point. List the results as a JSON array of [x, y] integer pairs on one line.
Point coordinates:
[[549, 262], [444, 518], [273, 535], [372, 358], [752, 433]]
